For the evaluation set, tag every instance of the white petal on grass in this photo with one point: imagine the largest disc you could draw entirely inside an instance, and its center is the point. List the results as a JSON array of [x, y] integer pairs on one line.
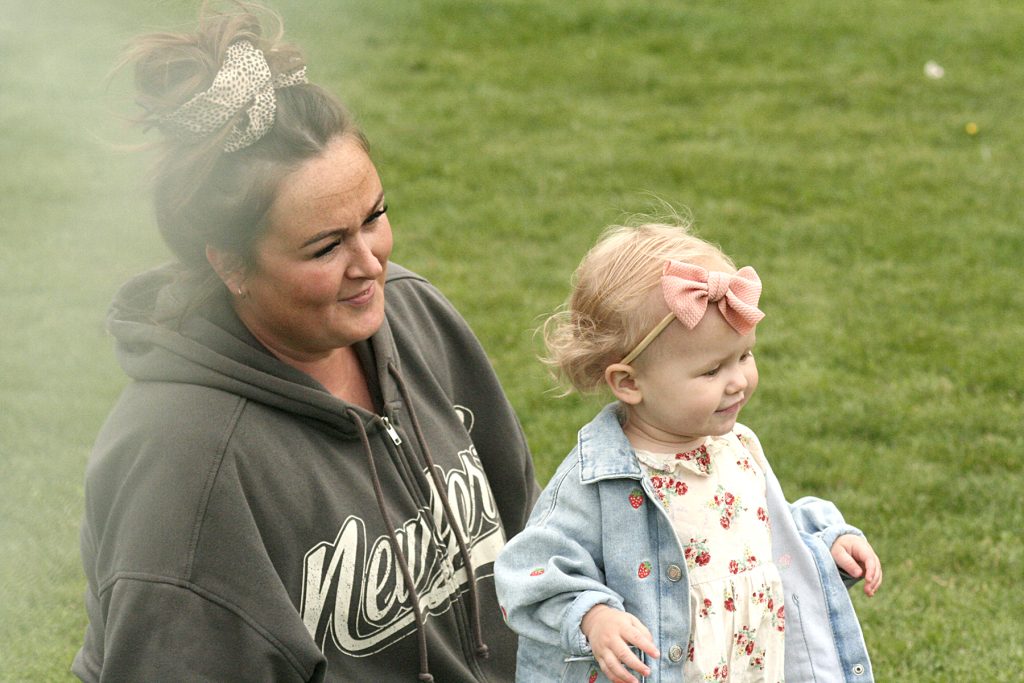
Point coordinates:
[[933, 70]]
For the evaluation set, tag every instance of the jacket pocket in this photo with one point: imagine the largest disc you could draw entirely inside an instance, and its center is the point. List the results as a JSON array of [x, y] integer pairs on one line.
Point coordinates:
[[586, 669], [799, 661], [581, 670]]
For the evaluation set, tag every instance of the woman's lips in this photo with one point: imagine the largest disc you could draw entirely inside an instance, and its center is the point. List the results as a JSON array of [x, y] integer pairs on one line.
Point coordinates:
[[362, 298]]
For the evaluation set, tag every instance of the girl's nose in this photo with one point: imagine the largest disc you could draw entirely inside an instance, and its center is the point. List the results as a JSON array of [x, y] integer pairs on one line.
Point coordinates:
[[737, 380]]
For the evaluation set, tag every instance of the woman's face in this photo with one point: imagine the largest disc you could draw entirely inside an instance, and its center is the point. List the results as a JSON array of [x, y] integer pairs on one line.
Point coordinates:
[[317, 282]]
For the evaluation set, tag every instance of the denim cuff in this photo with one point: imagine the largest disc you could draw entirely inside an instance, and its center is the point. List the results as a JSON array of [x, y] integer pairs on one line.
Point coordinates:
[[573, 640], [829, 535]]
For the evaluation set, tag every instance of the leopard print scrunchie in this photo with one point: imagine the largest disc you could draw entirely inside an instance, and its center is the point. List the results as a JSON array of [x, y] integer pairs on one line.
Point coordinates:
[[243, 82]]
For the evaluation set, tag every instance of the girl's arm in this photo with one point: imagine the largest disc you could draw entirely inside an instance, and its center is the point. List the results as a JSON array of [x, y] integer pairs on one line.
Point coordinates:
[[821, 518], [856, 558], [612, 633], [551, 574], [850, 549], [551, 584]]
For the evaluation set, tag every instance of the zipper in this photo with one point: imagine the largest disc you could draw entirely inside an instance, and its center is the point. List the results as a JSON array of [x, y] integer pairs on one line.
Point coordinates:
[[390, 429], [456, 599]]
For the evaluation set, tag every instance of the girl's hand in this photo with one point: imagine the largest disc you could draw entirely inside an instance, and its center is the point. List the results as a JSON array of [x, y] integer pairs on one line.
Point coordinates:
[[854, 555], [611, 632]]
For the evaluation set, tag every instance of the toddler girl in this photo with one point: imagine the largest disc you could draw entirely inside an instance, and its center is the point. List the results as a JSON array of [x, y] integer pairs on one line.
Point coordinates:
[[663, 544]]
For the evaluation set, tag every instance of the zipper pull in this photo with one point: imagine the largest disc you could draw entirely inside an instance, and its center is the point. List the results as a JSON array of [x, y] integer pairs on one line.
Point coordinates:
[[392, 432]]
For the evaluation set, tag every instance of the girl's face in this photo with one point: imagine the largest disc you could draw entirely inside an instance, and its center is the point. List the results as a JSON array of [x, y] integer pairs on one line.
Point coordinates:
[[318, 279], [691, 384]]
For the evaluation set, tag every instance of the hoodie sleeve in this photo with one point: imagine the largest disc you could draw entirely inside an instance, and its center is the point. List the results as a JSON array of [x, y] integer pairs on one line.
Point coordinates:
[[157, 629], [180, 583]]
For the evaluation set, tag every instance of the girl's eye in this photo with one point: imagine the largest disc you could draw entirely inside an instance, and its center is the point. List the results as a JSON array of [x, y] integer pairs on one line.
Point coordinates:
[[748, 355], [712, 372]]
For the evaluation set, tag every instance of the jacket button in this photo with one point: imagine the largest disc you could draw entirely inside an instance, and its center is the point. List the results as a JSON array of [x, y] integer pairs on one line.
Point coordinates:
[[675, 653], [674, 572], [858, 669]]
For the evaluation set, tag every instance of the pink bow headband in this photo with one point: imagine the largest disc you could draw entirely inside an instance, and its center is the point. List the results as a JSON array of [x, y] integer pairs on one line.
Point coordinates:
[[688, 289]]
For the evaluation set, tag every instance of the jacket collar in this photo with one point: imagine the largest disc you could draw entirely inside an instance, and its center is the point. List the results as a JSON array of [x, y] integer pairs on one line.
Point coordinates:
[[604, 451]]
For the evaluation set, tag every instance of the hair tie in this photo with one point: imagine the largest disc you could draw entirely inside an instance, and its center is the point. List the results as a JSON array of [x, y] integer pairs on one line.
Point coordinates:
[[688, 289], [243, 82]]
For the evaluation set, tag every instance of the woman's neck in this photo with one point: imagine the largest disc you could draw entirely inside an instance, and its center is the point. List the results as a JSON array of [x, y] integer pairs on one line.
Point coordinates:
[[339, 371]]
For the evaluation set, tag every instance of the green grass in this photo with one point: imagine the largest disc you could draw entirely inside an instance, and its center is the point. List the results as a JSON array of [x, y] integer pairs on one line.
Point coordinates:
[[803, 136]]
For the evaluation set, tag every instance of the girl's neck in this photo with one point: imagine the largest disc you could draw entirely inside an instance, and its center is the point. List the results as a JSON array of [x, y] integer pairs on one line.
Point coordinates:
[[645, 437]]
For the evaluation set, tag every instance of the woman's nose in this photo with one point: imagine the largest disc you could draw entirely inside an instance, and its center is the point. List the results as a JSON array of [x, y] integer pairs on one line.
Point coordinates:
[[363, 262]]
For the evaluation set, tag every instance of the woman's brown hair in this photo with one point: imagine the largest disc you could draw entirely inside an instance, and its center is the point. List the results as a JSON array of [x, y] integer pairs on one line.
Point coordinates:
[[202, 194]]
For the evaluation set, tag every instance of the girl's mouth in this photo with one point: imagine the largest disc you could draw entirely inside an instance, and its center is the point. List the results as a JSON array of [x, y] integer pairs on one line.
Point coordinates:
[[731, 410]]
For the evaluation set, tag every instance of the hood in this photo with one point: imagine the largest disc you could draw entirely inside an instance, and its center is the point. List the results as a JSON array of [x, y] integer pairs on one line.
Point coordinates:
[[163, 335]]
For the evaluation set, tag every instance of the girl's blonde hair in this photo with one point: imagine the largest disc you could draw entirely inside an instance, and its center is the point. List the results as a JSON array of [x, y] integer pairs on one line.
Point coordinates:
[[612, 304]]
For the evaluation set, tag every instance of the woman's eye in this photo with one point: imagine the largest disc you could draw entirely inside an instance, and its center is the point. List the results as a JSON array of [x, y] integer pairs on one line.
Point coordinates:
[[327, 249], [377, 214]]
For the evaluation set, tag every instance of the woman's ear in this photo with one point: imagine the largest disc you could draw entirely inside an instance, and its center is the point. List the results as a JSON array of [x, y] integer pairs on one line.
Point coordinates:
[[621, 378], [228, 267]]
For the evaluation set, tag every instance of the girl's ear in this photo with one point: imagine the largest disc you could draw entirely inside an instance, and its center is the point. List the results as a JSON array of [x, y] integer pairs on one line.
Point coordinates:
[[621, 378], [228, 267]]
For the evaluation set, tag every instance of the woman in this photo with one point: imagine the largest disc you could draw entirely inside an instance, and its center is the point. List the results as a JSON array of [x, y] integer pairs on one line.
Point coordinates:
[[297, 484]]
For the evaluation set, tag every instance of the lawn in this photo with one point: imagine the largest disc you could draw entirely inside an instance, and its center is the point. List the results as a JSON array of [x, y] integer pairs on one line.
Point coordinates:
[[881, 206]]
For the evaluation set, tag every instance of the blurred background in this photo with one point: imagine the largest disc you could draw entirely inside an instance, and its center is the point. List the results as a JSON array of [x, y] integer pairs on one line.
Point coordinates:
[[865, 157]]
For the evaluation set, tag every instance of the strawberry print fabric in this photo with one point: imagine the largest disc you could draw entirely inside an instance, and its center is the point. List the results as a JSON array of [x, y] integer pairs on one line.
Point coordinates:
[[715, 497]]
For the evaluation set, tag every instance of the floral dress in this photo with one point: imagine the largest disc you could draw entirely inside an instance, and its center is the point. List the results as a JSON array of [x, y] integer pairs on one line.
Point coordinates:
[[715, 497]]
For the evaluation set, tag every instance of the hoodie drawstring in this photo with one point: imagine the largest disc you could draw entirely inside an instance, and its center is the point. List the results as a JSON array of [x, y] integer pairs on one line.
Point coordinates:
[[410, 585], [482, 650]]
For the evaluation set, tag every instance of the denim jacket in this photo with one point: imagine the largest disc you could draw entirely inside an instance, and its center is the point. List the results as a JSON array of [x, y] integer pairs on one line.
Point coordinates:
[[591, 541]]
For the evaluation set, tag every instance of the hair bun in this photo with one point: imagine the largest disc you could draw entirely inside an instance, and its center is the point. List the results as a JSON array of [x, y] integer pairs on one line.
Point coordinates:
[[232, 100], [170, 69]]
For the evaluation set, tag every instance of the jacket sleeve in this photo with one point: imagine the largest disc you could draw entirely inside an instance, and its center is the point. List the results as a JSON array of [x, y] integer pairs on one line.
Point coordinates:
[[821, 518], [158, 629], [550, 575]]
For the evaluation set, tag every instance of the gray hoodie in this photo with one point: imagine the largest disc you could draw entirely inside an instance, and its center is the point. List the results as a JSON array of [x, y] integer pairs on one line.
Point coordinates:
[[243, 524]]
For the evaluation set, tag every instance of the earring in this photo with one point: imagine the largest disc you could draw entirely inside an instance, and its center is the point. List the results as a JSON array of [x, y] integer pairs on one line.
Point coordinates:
[[241, 293]]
